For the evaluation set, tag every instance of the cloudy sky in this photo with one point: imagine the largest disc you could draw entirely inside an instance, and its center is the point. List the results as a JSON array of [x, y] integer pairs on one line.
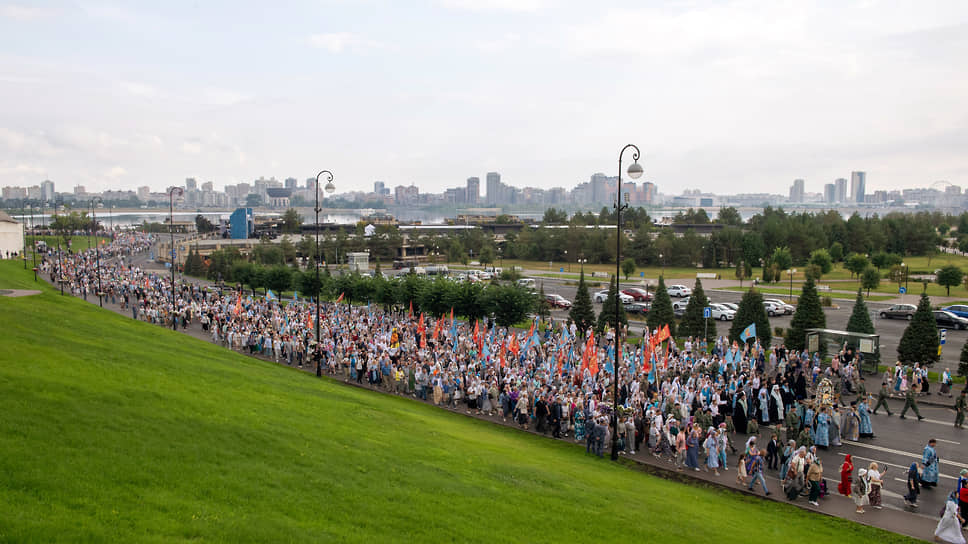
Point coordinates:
[[726, 96]]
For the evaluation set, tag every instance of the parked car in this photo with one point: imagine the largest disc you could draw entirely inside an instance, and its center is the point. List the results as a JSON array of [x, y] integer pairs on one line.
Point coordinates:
[[640, 295], [679, 312], [680, 304], [637, 308], [527, 283], [785, 308], [678, 291], [731, 305], [558, 301], [899, 311], [602, 295], [720, 312], [948, 319], [959, 310], [772, 309]]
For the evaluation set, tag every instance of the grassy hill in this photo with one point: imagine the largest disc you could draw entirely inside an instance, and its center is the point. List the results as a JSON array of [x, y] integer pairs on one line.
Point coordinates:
[[113, 430]]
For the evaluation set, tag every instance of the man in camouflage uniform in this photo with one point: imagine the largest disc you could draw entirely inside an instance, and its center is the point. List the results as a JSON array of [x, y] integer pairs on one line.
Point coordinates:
[[882, 399], [961, 406], [910, 402]]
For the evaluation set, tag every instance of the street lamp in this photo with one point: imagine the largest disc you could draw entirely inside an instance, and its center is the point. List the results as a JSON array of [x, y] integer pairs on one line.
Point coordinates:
[[23, 220], [663, 264], [567, 261], [329, 189], [905, 267], [635, 171], [97, 253], [792, 271], [171, 234], [60, 265], [33, 249]]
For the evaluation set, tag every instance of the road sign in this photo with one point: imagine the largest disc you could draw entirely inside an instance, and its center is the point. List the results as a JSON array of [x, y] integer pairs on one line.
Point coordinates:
[[561, 270], [641, 274], [944, 334], [707, 312], [902, 290]]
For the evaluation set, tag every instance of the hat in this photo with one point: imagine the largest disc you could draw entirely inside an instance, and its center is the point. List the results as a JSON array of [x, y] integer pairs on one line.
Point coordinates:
[[964, 472], [862, 472]]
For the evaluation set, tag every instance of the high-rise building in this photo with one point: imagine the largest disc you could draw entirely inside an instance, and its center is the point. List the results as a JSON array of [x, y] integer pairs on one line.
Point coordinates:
[[599, 182], [495, 189], [47, 190], [292, 183], [858, 186], [473, 190], [841, 190], [830, 193], [380, 188], [208, 187], [190, 184], [79, 190], [144, 193], [796, 191]]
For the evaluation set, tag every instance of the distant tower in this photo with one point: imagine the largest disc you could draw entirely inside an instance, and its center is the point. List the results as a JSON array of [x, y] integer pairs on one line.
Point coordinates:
[[494, 190], [841, 190], [473, 190], [796, 191], [858, 186]]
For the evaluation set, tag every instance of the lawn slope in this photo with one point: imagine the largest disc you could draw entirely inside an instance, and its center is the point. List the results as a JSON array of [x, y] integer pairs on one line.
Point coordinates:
[[113, 430]]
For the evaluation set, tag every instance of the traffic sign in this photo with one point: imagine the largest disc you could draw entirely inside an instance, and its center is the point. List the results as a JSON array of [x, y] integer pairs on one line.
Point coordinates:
[[641, 274], [561, 270], [902, 290], [707, 312], [944, 334]]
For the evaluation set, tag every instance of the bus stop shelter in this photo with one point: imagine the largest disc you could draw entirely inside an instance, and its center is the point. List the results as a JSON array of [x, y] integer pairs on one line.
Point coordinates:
[[868, 345]]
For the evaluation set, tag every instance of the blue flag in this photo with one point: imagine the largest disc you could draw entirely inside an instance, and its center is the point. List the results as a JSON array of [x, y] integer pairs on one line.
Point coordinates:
[[295, 296], [748, 332]]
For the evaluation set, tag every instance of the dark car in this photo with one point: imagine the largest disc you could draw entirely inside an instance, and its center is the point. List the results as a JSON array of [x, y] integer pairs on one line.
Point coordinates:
[[639, 295], [948, 319], [899, 311], [558, 301], [637, 308], [960, 310]]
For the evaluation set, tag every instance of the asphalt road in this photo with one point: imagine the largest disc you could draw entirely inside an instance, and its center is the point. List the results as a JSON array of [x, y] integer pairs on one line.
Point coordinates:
[[890, 330]]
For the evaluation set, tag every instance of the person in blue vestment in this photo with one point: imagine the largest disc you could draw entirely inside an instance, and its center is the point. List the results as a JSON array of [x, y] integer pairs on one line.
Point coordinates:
[[808, 421], [863, 414], [929, 459], [821, 437]]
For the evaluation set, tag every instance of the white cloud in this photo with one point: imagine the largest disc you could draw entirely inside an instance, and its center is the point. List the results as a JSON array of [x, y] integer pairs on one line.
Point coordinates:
[[513, 6], [116, 172], [498, 45], [25, 13], [142, 90], [338, 42]]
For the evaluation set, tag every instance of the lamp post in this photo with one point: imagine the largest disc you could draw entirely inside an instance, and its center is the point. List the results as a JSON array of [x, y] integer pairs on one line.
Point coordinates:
[[567, 261], [23, 219], [792, 271], [60, 265], [171, 236], [329, 189], [33, 249], [905, 266], [635, 171], [97, 253], [111, 221], [663, 264]]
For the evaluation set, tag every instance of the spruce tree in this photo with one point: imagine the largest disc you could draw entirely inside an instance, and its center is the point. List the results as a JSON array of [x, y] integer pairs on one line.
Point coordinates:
[[860, 321], [582, 313], [661, 312], [693, 323], [607, 315], [751, 310], [809, 315], [919, 343]]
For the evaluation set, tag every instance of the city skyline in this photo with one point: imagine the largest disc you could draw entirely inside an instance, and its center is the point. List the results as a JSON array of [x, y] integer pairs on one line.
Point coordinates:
[[749, 94]]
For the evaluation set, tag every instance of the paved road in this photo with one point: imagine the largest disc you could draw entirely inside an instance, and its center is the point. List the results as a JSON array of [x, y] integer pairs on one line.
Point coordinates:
[[889, 329]]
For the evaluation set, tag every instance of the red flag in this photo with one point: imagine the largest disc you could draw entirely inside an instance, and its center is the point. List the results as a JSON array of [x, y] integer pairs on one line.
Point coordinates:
[[411, 310], [238, 304], [452, 317], [587, 353], [309, 320], [437, 327], [340, 298], [513, 346], [477, 335], [420, 324], [501, 352]]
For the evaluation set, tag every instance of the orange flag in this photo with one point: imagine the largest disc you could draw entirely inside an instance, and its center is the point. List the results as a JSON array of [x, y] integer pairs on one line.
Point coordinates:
[[340, 299], [411, 309], [452, 317], [477, 334], [238, 303], [501, 351]]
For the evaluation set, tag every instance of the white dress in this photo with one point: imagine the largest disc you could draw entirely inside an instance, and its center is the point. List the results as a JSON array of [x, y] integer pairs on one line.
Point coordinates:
[[949, 529]]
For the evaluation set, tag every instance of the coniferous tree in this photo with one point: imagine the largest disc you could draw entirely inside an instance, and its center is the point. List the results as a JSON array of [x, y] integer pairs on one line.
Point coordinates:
[[751, 310], [693, 323], [809, 315], [661, 312], [582, 313], [860, 321], [919, 343], [607, 314]]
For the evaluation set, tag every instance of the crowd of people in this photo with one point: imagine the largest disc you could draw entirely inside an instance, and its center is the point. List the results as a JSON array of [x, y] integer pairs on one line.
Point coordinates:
[[683, 404]]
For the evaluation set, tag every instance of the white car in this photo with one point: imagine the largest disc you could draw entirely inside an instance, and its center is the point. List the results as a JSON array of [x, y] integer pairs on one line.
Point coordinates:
[[720, 312], [680, 304], [623, 298], [678, 291], [782, 307]]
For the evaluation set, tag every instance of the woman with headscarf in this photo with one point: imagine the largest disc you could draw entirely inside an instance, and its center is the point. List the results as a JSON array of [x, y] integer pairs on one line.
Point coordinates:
[[712, 451], [764, 399], [860, 490], [948, 529], [874, 477], [913, 485], [846, 472]]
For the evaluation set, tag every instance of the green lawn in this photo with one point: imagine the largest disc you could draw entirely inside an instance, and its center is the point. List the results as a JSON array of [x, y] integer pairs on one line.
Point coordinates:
[[119, 431], [78, 243]]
